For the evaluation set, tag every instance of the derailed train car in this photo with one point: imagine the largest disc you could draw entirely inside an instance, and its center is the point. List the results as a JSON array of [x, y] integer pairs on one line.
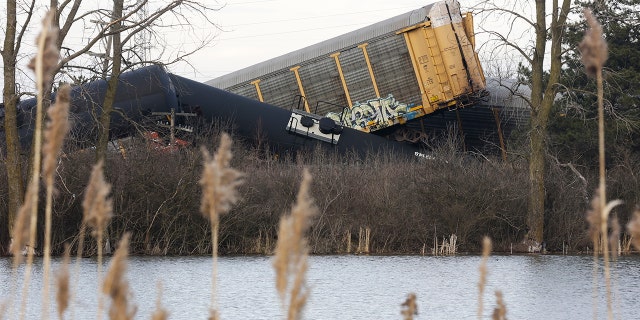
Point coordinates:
[[402, 69], [139, 93], [151, 90], [378, 77]]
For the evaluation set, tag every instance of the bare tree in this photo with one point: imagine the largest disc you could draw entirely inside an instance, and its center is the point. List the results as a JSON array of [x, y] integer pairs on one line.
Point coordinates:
[[10, 51], [124, 27], [546, 25], [67, 14]]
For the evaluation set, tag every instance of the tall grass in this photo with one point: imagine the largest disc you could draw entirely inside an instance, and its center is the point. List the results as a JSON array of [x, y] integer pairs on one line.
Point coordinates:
[[409, 307], [594, 55], [634, 229], [486, 251], [63, 294], [57, 129], [219, 192], [42, 64], [291, 254], [500, 311], [97, 212], [115, 285]]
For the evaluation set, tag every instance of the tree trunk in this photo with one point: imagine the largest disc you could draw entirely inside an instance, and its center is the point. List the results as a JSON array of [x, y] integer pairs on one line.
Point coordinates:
[[112, 84], [542, 99], [538, 145], [13, 164]]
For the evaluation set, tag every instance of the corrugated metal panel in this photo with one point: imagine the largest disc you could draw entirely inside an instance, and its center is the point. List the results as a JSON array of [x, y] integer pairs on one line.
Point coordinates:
[[356, 75], [322, 83], [393, 70], [279, 89], [321, 49], [247, 90]]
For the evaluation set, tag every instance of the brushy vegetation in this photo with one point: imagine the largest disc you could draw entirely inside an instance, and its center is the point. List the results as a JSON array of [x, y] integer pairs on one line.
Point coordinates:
[[405, 203]]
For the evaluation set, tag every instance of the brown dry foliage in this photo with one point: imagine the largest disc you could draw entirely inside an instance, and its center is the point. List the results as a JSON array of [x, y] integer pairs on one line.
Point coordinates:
[[219, 184], [21, 228], [486, 251], [633, 227], [115, 284], [290, 260], [96, 205], [160, 313], [500, 311], [409, 307], [594, 219], [63, 293], [614, 236], [219, 181], [593, 47], [3, 309], [57, 129], [51, 55]]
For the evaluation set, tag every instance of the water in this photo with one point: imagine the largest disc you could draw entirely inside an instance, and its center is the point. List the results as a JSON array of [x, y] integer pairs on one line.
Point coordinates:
[[359, 287]]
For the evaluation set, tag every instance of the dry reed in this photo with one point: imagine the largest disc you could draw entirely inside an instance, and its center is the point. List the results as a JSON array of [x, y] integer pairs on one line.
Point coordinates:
[[409, 307], [160, 313], [3, 309], [42, 64], [633, 227], [219, 192], [290, 260], [614, 237], [21, 229], [57, 129], [79, 250], [486, 251], [593, 49], [500, 311], [48, 55], [594, 219], [97, 208], [115, 284], [598, 217], [63, 295], [364, 238], [347, 237]]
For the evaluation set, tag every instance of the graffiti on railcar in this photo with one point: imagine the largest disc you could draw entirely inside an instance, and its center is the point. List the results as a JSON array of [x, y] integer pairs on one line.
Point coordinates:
[[372, 112]]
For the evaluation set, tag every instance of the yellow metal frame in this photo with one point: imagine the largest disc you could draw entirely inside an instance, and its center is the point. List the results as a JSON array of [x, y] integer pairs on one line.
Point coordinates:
[[467, 21], [415, 26], [425, 101], [256, 83], [344, 82], [366, 58], [295, 71]]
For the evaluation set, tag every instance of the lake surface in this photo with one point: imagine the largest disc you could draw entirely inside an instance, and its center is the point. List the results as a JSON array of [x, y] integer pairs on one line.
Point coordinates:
[[356, 287]]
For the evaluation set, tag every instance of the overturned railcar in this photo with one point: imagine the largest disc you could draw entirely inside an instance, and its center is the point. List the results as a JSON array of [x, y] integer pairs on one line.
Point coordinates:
[[375, 78], [139, 93], [144, 93]]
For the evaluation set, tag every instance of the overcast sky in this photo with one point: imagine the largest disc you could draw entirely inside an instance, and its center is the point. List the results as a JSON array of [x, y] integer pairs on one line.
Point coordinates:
[[257, 30]]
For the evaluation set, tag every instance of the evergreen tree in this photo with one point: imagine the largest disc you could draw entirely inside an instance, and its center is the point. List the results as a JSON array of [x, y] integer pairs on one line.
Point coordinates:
[[574, 130]]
